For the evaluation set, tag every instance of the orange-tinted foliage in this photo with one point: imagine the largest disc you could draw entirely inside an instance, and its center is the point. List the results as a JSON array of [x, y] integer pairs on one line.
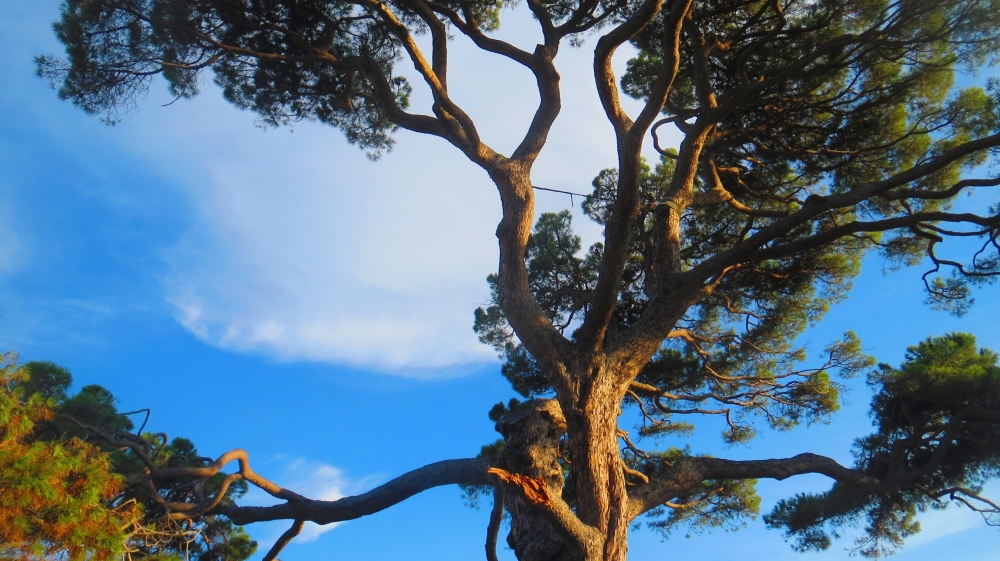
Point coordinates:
[[56, 498]]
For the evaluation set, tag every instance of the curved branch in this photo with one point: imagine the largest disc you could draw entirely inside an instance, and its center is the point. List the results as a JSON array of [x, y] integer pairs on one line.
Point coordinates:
[[750, 248], [604, 75], [439, 40], [658, 94], [466, 132], [469, 471], [629, 135], [483, 41], [237, 455], [493, 530], [284, 540], [827, 236], [549, 104]]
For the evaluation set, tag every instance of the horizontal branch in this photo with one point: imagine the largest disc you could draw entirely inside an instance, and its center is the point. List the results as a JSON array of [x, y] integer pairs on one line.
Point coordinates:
[[470, 471], [828, 236], [686, 473], [750, 249], [902, 194]]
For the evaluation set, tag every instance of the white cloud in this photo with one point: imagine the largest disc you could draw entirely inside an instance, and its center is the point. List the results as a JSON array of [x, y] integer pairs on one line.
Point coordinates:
[[385, 276], [325, 483], [302, 249]]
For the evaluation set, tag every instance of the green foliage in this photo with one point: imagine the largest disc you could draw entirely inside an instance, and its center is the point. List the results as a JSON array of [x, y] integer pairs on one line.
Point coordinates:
[[937, 432], [68, 492], [47, 379], [857, 115], [115, 47]]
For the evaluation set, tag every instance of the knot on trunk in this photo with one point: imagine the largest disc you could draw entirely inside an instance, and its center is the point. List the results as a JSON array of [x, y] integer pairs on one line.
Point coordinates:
[[530, 460], [532, 436], [538, 417]]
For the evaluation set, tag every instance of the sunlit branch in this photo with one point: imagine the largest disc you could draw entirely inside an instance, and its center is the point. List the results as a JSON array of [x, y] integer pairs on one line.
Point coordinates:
[[553, 508], [607, 88], [466, 130]]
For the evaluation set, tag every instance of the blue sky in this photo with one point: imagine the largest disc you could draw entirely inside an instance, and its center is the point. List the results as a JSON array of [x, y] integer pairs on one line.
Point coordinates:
[[276, 291]]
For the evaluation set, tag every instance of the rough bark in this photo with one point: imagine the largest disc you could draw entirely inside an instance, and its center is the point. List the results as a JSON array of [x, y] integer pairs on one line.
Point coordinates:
[[531, 448]]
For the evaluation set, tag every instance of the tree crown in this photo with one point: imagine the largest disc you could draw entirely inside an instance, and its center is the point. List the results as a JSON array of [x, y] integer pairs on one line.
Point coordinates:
[[814, 133]]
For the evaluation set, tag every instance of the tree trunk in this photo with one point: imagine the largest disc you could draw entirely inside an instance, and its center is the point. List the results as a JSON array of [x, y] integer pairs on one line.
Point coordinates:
[[587, 411], [533, 449], [599, 482]]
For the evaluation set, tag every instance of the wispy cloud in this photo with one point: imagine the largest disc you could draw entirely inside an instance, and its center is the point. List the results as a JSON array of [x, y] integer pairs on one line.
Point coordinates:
[[300, 248], [322, 482], [293, 257], [939, 524]]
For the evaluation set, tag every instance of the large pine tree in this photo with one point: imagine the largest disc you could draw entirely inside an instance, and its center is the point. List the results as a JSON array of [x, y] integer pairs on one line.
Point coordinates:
[[814, 133]]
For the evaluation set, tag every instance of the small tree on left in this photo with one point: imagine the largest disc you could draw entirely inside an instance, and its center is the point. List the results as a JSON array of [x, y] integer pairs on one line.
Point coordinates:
[[58, 496], [70, 491]]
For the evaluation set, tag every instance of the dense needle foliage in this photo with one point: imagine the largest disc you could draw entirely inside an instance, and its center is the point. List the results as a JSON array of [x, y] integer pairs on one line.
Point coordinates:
[[58, 497], [68, 492], [946, 391]]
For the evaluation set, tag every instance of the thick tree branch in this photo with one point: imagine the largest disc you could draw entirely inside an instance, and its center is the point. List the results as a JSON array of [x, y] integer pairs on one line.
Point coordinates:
[[471, 471], [448, 111], [629, 138], [604, 75], [549, 104], [449, 472], [674, 21], [483, 41], [686, 473], [439, 40], [550, 35]]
